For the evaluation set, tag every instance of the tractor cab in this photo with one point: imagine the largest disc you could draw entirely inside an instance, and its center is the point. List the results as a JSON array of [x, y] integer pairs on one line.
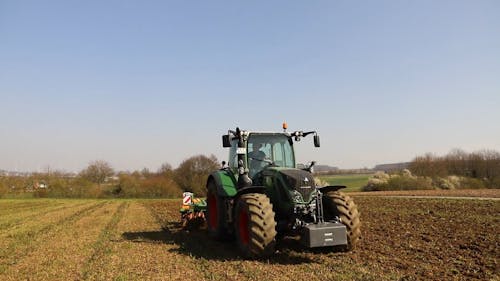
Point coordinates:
[[263, 150], [252, 152]]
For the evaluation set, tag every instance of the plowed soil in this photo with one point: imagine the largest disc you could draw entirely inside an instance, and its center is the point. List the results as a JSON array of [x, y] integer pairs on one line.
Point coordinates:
[[480, 193], [402, 239]]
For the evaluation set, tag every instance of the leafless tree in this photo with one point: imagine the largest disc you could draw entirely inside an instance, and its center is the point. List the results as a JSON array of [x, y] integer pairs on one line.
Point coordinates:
[[97, 171], [192, 173], [165, 168]]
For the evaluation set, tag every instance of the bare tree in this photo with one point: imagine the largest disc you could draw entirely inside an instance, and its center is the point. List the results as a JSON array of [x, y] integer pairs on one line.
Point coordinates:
[[97, 171], [428, 165], [456, 162], [192, 173], [146, 173], [483, 164], [165, 168]]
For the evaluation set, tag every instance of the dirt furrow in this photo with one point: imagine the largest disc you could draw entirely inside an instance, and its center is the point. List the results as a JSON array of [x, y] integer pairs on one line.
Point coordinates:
[[142, 250], [23, 217], [17, 206], [103, 244], [19, 242], [45, 221], [62, 254]]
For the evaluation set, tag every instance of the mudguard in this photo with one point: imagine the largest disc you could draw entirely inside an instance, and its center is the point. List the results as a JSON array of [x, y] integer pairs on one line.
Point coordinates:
[[251, 189], [225, 182], [329, 188]]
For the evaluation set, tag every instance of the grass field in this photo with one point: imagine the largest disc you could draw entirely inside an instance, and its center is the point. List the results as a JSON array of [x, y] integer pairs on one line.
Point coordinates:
[[353, 182], [403, 239]]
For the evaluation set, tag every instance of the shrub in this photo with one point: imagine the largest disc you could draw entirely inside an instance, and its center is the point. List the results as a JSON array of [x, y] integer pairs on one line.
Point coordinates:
[[320, 182], [58, 189], [445, 183], [404, 181], [3, 189], [398, 182], [160, 186], [192, 173], [471, 183], [377, 182], [494, 183], [406, 173], [79, 188], [128, 186], [41, 193]]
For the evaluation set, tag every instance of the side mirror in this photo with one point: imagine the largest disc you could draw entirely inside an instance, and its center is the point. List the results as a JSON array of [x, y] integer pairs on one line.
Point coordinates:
[[310, 168], [316, 140], [225, 141]]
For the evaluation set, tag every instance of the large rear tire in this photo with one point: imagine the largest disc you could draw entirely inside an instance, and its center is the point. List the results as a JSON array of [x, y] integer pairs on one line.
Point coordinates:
[[255, 226], [216, 213], [337, 204]]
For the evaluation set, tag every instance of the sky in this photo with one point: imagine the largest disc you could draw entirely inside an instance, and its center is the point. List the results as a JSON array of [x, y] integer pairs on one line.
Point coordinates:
[[141, 83]]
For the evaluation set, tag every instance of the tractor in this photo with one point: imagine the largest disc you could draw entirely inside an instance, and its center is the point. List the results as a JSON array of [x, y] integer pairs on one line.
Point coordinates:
[[260, 196]]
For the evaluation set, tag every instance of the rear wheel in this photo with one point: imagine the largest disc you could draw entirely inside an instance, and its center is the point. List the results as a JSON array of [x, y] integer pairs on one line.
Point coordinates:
[[255, 226], [216, 213], [337, 204]]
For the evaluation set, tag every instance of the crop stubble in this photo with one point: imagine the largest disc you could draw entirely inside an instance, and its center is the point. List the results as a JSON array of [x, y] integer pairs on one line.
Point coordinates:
[[60, 247], [18, 241]]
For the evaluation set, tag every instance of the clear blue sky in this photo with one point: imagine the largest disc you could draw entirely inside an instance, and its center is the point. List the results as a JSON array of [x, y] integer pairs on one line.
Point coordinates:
[[140, 83]]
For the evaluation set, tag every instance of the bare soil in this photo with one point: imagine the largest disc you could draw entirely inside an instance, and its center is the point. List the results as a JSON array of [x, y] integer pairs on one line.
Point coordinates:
[[403, 239], [484, 193], [432, 239]]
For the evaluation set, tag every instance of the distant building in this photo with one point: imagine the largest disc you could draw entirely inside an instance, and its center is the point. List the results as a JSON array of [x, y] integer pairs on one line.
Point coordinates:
[[393, 167], [319, 168], [325, 169]]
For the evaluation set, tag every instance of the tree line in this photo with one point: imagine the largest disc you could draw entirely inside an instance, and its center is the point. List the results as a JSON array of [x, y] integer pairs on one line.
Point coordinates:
[[483, 165], [456, 170], [99, 180]]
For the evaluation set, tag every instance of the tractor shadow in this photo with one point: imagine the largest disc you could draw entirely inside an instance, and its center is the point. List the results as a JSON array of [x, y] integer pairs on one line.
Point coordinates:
[[196, 243]]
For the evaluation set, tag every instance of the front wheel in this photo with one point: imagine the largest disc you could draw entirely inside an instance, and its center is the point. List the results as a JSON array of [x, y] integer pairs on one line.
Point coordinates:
[[255, 226], [337, 204]]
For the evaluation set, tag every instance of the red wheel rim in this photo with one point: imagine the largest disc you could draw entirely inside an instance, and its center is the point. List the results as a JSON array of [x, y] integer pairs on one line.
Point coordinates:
[[243, 227], [212, 211]]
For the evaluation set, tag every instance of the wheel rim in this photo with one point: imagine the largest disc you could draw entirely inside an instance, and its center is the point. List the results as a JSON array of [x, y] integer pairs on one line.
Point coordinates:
[[212, 211], [243, 227]]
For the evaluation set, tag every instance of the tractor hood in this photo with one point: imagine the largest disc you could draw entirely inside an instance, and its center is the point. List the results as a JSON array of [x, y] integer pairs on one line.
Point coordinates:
[[297, 180]]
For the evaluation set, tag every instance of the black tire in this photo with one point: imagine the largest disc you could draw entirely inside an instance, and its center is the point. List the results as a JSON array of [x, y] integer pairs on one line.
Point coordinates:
[[337, 204], [216, 213], [255, 226]]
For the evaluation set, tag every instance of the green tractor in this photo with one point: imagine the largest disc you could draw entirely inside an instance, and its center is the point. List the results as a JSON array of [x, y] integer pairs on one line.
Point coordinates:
[[260, 195]]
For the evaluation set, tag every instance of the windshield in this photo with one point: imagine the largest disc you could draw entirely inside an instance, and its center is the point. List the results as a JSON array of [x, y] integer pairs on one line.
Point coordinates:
[[266, 149]]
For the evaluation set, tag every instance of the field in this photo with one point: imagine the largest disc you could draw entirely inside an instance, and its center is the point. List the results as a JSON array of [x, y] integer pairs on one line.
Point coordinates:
[[353, 182], [403, 239]]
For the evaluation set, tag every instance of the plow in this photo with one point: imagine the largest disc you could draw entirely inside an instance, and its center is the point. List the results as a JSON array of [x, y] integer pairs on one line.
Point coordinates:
[[259, 196]]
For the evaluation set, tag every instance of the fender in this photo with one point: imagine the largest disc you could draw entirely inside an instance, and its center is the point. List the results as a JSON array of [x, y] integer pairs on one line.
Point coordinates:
[[251, 189], [329, 188], [225, 182]]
